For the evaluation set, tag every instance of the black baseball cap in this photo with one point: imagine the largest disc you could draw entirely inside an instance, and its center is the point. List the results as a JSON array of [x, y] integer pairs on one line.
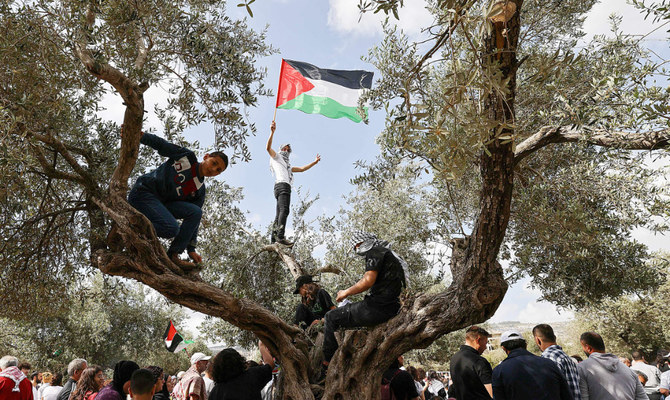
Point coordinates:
[[301, 281]]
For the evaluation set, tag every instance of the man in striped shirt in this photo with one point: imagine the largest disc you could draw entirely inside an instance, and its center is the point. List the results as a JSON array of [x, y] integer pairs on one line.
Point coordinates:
[[546, 341]]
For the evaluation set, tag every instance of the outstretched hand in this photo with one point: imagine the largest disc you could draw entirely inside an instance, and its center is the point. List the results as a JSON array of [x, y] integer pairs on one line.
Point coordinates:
[[341, 295], [318, 158]]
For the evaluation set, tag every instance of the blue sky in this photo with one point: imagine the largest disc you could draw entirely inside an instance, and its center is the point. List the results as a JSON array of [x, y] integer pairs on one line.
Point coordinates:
[[329, 35]]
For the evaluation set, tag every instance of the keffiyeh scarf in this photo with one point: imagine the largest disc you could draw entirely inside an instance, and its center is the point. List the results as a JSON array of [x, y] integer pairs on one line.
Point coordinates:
[[14, 374], [284, 155], [369, 241]]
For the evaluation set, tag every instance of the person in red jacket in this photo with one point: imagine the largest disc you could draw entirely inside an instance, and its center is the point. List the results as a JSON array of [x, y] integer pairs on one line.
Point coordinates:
[[13, 383]]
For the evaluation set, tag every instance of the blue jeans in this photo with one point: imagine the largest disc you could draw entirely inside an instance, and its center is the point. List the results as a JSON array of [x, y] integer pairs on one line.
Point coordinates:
[[350, 316], [283, 196], [164, 217]]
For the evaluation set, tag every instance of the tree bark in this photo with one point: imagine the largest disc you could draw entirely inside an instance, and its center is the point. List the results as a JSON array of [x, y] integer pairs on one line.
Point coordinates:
[[478, 284], [547, 135]]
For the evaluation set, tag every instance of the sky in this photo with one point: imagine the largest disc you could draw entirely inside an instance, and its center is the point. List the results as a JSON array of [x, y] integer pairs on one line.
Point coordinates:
[[329, 34]]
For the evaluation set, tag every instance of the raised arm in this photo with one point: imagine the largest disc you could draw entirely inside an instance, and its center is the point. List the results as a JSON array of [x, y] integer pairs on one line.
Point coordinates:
[[265, 354], [308, 166], [361, 286], [164, 148], [271, 152]]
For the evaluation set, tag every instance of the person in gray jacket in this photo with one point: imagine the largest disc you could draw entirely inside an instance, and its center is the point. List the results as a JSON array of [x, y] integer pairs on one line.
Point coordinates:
[[602, 376]]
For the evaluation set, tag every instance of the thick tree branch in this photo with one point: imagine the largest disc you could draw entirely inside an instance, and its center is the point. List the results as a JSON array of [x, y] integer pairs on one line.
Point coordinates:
[[294, 266], [132, 94], [651, 140]]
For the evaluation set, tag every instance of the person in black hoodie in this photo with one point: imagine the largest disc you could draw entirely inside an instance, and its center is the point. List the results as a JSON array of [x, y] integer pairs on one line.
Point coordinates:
[[384, 276], [176, 190]]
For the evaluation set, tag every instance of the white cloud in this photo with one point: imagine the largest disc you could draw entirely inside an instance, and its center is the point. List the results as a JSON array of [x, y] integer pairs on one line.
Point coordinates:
[[343, 16], [543, 312], [598, 23]]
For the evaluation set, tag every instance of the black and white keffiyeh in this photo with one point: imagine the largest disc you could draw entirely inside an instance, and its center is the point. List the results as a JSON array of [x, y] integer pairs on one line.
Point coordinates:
[[368, 241], [285, 156]]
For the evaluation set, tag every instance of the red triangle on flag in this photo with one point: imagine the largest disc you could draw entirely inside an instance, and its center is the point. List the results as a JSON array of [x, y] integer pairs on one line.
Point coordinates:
[[170, 332], [291, 84]]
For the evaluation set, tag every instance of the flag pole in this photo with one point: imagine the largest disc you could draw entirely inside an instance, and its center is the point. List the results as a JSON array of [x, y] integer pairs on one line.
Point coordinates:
[[281, 72]]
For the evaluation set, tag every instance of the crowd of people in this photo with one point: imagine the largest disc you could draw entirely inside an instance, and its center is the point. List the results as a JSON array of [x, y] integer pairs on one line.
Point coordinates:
[[520, 376], [225, 376], [524, 376]]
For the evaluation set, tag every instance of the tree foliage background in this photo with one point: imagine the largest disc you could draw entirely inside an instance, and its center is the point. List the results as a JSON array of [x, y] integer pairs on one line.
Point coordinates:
[[577, 199]]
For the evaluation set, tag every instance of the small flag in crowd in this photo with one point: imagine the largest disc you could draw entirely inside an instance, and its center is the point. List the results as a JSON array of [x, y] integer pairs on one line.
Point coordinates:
[[174, 342], [329, 92]]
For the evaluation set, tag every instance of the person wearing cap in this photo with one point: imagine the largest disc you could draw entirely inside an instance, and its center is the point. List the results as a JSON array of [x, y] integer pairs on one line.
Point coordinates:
[[283, 173], [602, 376], [545, 339], [470, 372], [385, 274], [523, 375], [192, 386], [316, 302]]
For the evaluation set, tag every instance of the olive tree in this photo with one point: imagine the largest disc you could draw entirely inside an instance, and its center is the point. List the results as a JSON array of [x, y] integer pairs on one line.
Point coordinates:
[[483, 107]]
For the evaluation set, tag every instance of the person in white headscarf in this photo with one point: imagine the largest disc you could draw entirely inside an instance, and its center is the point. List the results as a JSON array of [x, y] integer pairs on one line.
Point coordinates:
[[283, 173], [385, 276]]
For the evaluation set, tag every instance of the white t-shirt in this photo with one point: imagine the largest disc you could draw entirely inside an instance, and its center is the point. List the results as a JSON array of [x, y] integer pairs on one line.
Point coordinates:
[[653, 375], [665, 380], [41, 390], [280, 169], [51, 392], [209, 384]]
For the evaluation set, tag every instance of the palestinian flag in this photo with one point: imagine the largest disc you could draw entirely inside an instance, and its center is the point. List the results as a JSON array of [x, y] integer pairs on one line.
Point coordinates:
[[330, 92], [173, 340]]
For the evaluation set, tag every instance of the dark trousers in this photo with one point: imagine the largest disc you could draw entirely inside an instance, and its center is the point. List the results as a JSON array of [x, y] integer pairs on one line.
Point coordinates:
[[283, 196], [304, 316], [164, 217], [350, 316]]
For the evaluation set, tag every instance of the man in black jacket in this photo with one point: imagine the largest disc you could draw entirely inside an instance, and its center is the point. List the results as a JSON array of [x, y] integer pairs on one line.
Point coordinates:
[[470, 372], [74, 371], [525, 376]]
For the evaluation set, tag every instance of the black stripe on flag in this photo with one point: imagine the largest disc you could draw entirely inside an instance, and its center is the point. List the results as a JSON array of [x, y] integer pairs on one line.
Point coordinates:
[[172, 338], [358, 79]]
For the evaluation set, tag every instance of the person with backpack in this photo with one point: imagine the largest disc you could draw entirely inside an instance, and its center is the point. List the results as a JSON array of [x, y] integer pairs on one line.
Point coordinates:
[[398, 384]]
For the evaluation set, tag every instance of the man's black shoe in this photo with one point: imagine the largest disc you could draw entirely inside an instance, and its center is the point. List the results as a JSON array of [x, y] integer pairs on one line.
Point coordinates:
[[285, 242]]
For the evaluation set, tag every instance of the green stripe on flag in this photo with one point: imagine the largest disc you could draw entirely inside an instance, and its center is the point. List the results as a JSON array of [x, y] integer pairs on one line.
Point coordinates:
[[324, 106]]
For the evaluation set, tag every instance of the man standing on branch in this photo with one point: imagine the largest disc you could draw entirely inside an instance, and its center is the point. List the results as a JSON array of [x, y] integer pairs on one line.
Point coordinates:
[[283, 173], [385, 274], [176, 190]]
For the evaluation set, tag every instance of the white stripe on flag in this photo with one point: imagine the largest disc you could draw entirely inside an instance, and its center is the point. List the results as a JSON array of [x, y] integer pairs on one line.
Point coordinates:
[[343, 95]]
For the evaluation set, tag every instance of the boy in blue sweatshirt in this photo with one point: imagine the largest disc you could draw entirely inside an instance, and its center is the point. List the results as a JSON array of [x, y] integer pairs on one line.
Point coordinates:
[[176, 190]]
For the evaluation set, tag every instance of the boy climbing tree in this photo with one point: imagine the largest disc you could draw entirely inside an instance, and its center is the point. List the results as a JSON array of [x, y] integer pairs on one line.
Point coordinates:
[[176, 190]]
